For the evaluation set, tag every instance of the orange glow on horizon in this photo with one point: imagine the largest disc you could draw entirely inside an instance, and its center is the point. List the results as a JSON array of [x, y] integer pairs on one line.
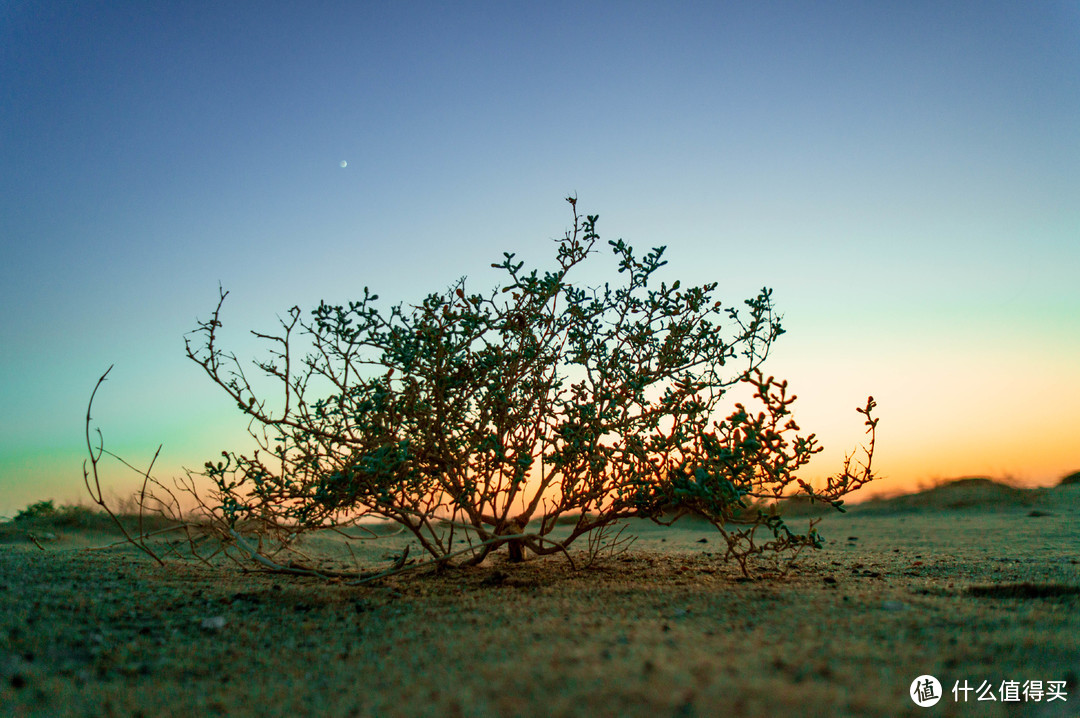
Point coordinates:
[[1032, 463]]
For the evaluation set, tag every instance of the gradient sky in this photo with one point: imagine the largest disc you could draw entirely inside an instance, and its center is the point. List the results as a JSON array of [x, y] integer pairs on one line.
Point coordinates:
[[904, 175]]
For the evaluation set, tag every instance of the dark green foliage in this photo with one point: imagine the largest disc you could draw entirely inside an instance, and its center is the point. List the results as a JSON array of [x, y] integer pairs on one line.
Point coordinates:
[[493, 416], [38, 510], [46, 515], [46, 512]]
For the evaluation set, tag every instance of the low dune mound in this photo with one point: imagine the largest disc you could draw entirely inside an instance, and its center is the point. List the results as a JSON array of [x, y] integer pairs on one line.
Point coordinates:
[[970, 492], [1072, 479]]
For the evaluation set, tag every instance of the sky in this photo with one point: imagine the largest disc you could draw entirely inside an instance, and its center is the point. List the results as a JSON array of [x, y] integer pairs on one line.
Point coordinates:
[[905, 176]]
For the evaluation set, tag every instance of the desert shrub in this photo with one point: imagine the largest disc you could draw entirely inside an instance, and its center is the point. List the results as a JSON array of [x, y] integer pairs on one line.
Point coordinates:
[[36, 511], [483, 419], [46, 512]]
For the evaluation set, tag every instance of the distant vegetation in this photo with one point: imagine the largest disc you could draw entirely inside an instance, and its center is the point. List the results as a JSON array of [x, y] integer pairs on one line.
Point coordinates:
[[48, 512], [47, 515]]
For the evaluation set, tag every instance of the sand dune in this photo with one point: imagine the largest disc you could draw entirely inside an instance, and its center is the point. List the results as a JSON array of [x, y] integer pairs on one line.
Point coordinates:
[[976, 492]]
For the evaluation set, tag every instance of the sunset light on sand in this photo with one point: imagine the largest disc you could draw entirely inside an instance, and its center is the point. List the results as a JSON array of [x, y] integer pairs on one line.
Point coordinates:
[[905, 177]]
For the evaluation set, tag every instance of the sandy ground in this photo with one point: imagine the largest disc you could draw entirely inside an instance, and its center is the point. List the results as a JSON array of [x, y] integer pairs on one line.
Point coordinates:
[[975, 585]]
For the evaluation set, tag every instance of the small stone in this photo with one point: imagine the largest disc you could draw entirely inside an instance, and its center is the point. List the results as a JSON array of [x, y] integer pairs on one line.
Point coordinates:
[[894, 606], [214, 623]]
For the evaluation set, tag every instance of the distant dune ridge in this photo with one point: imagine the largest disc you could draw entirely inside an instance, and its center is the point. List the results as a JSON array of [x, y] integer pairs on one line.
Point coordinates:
[[976, 492], [979, 492]]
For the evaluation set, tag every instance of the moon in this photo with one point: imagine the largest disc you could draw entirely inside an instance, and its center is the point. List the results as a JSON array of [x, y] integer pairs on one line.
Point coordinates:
[[343, 164]]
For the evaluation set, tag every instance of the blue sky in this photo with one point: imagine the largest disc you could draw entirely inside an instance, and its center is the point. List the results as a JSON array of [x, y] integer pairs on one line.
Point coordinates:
[[905, 176]]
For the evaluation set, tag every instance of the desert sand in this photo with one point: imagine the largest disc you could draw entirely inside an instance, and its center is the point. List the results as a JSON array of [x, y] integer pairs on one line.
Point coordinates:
[[972, 582]]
